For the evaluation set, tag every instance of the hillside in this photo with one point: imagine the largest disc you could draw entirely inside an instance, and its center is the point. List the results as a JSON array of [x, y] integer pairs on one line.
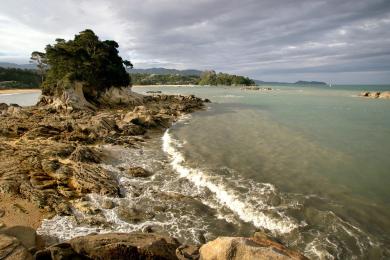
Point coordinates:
[[164, 71]]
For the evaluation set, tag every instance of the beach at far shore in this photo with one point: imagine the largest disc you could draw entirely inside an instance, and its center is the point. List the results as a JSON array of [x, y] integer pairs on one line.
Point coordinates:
[[163, 85], [19, 91]]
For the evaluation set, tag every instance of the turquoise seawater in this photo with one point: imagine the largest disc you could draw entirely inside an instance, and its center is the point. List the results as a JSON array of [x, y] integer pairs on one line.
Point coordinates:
[[325, 151]]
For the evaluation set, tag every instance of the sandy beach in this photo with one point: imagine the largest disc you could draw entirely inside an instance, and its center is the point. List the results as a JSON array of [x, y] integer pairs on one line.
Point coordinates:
[[19, 91]]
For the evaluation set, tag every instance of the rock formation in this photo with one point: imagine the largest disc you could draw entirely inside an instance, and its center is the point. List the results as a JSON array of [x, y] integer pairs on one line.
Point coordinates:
[[384, 95]]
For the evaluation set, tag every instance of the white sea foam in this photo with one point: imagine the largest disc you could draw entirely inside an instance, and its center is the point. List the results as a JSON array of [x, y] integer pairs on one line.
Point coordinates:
[[226, 196]]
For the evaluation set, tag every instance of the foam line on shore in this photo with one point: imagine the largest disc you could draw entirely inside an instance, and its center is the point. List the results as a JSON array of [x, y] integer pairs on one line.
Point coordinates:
[[225, 196]]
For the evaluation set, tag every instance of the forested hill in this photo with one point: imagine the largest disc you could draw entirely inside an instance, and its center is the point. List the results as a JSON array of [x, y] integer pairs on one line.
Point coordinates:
[[210, 78], [19, 78], [164, 71]]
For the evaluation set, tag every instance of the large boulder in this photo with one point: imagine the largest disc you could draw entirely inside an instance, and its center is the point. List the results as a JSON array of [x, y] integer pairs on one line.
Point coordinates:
[[242, 248], [385, 94], [114, 246]]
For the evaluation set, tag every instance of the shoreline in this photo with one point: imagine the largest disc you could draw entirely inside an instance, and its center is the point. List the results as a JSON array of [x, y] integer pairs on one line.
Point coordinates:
[[19, 91], [49, 170]]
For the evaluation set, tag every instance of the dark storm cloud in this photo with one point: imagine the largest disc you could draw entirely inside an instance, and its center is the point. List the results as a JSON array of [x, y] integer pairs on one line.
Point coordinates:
[[265, 39]]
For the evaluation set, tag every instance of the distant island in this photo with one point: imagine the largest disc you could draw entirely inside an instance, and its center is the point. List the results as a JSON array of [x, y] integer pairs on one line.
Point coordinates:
[[300, 82]]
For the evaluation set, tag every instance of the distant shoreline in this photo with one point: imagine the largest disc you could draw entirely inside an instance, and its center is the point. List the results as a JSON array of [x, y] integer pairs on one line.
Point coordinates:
[[19, 91], [162, 85]]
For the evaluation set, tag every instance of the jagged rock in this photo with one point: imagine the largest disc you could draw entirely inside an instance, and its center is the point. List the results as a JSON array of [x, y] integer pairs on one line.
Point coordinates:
[[3, 106], [187, 252], [375, 94], [90, 178], [138, 172], [133, 214], [86, 207], [61, 150], [11, 248], [120, 96], [60, 251], [108, 204], [86, 154], [126, 246], [231, 248], [26, 235], [132, 129]]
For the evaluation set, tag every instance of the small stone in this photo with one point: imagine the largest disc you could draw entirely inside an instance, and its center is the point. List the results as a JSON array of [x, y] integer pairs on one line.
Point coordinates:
[[20, 208], [187, 252], [108, 204], [138, 172], [2, 213], [2, 225]]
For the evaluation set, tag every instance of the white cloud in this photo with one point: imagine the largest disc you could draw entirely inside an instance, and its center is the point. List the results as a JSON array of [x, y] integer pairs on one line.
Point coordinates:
[[254, 37]]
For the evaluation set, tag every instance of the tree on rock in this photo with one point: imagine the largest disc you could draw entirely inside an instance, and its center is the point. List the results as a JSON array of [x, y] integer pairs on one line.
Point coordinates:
[[84, 59]]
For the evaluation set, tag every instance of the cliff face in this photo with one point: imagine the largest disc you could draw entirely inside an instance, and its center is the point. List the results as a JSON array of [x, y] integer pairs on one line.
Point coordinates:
[[78, 95]]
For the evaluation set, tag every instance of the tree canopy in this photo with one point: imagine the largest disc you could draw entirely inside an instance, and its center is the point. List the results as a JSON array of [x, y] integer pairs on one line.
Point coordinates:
[[212, 78], [85, 58]]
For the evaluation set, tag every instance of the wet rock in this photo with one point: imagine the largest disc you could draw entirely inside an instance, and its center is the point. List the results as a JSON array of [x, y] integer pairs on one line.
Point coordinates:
[[26, 235], [86, 154], [132, 129], [86, 207], [138, 172], [89, 178], [126, 246], [59, 251], [11, 248], [108, 204], [134, 215], [230, 248], [63, 209], [187, 252], [3, 106]]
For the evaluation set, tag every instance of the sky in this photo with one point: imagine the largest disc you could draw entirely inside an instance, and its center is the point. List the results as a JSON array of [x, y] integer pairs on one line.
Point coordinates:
[[336, 41]]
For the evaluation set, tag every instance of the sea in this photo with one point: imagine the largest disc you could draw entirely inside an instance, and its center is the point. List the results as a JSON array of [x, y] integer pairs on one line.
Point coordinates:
[[308, 165]]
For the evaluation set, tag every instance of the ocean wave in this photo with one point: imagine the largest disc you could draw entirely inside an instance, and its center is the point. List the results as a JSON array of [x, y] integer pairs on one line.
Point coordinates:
[[248, 209]]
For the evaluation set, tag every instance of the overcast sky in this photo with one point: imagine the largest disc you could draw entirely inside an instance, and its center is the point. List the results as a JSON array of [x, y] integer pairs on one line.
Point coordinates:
[[337, 41]]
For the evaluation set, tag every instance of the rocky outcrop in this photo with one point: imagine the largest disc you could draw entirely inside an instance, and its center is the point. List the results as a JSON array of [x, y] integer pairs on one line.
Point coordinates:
[[255, 88], [375, 94], [241, 248], [17, 243], [49, 155], [155, 246]]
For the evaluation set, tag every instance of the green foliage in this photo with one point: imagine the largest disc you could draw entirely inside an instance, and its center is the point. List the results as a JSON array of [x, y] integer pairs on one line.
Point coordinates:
[[18, 78], [224, 79], [156, 79], [206, 78], [86, 59]]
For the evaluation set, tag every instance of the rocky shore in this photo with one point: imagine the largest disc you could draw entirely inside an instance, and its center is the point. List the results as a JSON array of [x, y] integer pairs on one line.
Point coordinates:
[[383, 95], [50, 160]]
